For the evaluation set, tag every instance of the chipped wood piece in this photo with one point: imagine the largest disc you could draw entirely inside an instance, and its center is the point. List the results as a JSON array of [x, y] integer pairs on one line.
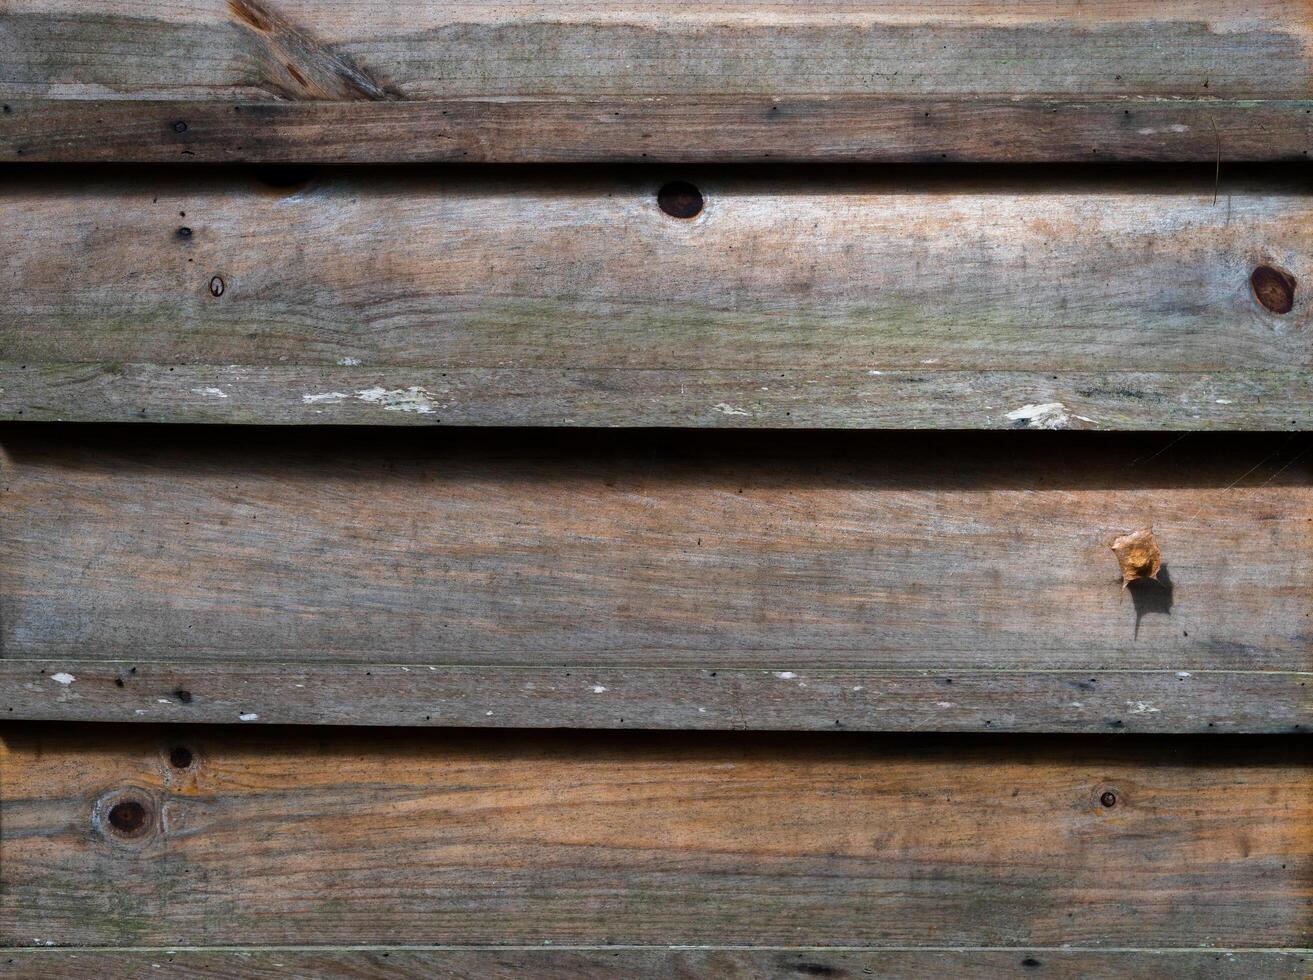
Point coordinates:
[[351, 81], [1137, 554], [291, 837], [571, 298]]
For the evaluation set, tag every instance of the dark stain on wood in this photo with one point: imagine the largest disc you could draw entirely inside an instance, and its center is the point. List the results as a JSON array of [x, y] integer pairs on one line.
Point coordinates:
[[297, 66]]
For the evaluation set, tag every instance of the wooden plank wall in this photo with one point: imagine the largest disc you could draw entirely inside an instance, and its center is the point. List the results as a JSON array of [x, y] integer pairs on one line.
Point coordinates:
[[904, 712], [791, 300], [410, 80], [925, 854], [670, 580]]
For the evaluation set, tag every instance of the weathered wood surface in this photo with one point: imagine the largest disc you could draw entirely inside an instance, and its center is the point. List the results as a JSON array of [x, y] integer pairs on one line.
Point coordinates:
[[652, 579], [537, 963], [647, 129], [723, 698], [342, 80], [112, 836], [792, 300]]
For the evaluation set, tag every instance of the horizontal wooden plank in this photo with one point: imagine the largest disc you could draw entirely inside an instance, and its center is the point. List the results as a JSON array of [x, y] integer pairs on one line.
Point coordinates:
[[640, 696], [649, 579], [127, 836], [513, 963], [577, 79], [831, 299], [669, 129]]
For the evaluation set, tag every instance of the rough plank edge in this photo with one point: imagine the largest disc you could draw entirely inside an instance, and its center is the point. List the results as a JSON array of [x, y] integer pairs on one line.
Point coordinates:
[[447, 695], [623, 397], [631, 961], [741, 129]]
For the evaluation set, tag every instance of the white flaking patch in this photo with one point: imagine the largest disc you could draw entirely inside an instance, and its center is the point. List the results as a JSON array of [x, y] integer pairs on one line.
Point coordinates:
[[1222, 401], [324, 398], [139, 711], [412, 399], [248, 716], [598, 689], [875, 374], [348, 361], [1183, 674], [946, 704], [488, 713], [216, 392], [724, 409], [1050, 415], [163, 701], [1142, 708], [785, 675], [62, 678]]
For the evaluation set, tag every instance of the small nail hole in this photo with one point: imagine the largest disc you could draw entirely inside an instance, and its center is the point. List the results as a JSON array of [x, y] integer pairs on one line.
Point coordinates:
[[217, 286], [127, 816], [1274, 288], [1108, 799], [183, 696], [680, 199], [184, 232], [180, 757], [180, 127]]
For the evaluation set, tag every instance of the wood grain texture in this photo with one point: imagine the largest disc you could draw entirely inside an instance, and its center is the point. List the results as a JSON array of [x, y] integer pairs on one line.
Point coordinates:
[[646, 565], [724, 698], [818, 299], [743, 79], [512, 963], [668, 129], [342, 837]]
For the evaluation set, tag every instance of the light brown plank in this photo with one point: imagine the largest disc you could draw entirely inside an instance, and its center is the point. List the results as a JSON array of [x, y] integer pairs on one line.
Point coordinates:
[[654, 964], [747, 79], [238, 564], [832, 299], [417, 837]]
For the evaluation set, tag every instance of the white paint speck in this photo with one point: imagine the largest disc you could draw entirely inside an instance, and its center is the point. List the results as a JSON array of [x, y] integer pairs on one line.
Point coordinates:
[[213, 392], [1183, 674], [946, 704], [1222, 401], [488, 713], [785, 675], [859, 688], [1142, 708], [724, 409], [163, 701], [702, 711], [348, 361], [875, 374], [248, 716], [62, 678], [413, 399], [139, 711], [1076, 704], [1050, 415], [598, 689], [324, 398]]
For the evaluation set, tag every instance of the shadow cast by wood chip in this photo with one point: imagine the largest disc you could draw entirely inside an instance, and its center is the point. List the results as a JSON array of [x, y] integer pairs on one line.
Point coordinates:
[[1151, 595]]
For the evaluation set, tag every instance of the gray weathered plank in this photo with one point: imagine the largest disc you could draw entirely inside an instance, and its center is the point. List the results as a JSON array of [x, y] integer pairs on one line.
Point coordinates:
[[646, 963], [485, 79], [760, 579], [724, 698], [670, 129], [133, 836], [804, 300]]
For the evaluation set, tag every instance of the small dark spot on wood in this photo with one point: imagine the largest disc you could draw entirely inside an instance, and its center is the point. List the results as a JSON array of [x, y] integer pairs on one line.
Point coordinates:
[[217, 286], [180, 127], [183, 696], [817, 970], [184, 232], [680, 199], [118, 681], [180, 757], [1274, 288], [1030, 963], [128, 817], [1108, 799], [8, 109]]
